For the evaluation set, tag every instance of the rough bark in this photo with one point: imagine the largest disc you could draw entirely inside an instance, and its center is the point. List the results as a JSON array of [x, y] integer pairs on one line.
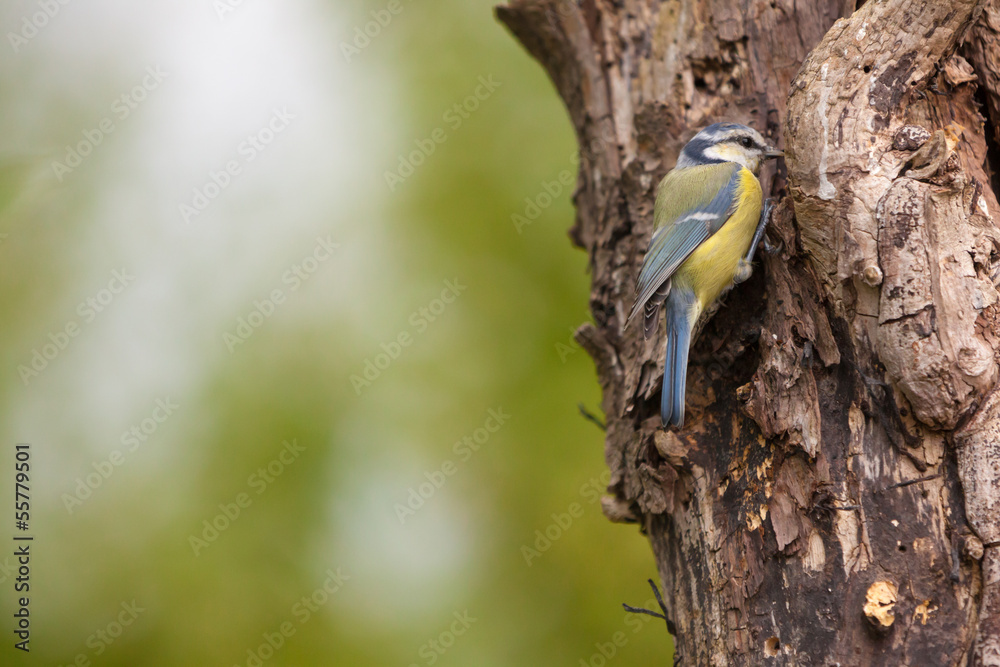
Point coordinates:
[[834, 496]]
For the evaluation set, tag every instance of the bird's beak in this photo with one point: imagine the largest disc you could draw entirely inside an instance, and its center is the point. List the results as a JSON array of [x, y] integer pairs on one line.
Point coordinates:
[[773, 152]]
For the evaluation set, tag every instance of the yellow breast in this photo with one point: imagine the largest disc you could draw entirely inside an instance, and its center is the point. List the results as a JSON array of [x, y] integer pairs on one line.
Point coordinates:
[[710, 268]]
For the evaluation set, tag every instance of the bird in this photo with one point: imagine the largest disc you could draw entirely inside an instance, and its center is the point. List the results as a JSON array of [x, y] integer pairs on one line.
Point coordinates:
[[708, 218]]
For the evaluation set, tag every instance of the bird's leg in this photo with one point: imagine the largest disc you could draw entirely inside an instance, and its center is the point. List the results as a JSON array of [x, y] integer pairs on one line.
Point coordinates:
[[744, 269], [758, 236]]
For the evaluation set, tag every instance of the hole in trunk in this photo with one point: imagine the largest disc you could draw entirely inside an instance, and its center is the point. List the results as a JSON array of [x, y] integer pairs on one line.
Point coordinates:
[[992, 165]]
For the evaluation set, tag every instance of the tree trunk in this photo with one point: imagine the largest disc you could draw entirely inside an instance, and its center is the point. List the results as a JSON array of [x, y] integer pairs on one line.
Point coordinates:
[[834, 496]]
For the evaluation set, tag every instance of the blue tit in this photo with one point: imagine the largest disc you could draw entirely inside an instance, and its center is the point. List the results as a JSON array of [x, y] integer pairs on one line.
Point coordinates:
[[709, 217]]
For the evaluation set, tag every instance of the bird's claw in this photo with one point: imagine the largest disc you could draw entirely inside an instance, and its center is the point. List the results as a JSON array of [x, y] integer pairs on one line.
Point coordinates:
[[769, 248]]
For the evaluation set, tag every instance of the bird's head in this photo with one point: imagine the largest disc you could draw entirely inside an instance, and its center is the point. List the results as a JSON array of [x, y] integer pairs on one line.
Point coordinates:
[[727, 142]]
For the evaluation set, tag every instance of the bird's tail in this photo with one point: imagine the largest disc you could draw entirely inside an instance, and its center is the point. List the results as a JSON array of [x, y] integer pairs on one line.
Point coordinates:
[[680, 312]]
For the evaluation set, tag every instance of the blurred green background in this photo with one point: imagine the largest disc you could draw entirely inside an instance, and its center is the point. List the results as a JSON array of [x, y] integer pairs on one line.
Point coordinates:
[[300, 388]]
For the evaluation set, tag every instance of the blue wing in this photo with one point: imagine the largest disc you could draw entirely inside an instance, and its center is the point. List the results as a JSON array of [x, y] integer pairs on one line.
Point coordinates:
[[691, 205]]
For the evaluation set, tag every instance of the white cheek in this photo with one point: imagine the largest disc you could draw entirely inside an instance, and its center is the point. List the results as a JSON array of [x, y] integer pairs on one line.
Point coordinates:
[[717, 153], [729, 154]]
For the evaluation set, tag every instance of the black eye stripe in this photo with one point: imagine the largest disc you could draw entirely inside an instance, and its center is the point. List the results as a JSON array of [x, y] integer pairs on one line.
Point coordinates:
[[746, 142]]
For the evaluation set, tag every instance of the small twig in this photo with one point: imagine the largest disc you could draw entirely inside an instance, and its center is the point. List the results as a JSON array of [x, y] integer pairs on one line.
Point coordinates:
[[659, 600], [912, 481], [640, 610], [828, 507], [589, 416]]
